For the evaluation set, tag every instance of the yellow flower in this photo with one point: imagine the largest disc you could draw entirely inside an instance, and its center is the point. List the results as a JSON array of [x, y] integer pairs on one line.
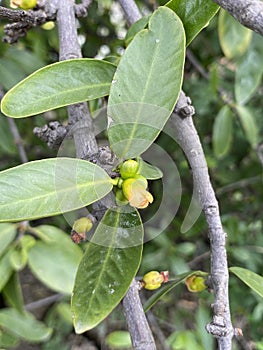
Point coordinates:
[[152, 280], [23, 4], [134, 189]]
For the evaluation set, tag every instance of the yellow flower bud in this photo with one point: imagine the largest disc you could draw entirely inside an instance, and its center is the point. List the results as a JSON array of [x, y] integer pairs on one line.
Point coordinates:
[[48, 25], [195, 284], [134, 189], [129, 168], [152, 280], [79, 229], [23, 4]]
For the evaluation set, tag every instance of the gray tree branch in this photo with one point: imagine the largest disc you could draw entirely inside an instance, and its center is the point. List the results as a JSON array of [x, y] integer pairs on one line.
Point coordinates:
[[188, 139], [248, 12], [79, 118], [131, 11], [139, 329]]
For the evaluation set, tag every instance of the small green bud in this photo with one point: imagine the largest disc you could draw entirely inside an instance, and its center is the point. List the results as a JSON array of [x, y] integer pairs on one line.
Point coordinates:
[[80, 228], [195, 284], [120, 198], [129, 168], [48, 25]]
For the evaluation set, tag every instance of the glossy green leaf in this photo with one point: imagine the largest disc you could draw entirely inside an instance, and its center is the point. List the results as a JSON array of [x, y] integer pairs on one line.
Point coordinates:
[[6, 269], [168, 287], [249, 72], [24, 325], [249, 125], [146, 84], [223, 131], [75, 81], [250, 278], [195, 15], [50, 187], [55, 262], [7, 235], [108, 266], [135, 28], [149, 171], [12, 293], [234, 38]]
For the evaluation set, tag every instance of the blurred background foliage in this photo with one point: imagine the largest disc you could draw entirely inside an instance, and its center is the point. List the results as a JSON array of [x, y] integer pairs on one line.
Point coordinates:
[[223, 77]]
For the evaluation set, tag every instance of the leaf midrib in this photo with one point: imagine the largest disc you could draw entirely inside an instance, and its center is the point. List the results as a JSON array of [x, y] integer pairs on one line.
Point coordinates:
[[109, 251], [128, 144], [54, 192]]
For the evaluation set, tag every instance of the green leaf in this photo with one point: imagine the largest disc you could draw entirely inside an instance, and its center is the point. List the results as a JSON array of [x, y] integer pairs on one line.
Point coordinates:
[[50, 187], [168, 287], [195, 15], [7, 340], [7, 235], [24, 325], [18, 259], [55, 262], [234, 38], [223, 131], [12, 293], [146, 84], [249, 73], [10, 73], [108, 266], [149, 171], [135, 28], [6, 269], [249, 125], [27, 60], [250, 278], [119, 340], [75, 81]]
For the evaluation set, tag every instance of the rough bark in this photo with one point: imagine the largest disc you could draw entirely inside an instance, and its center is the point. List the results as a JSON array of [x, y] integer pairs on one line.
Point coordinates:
[[188, 139], [139, 329], [79, 118], [248, 12]]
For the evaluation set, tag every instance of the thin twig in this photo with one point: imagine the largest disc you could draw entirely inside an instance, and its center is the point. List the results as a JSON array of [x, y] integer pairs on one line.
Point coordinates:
[[191, 57], [18, 140], [31, 17], [188, 139], [248, 12], [239, 184], [131, 10], [43, 302], [157, 331]]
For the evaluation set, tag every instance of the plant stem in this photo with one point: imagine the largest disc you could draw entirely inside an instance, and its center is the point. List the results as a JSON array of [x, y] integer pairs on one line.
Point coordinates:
[[138, 326], [188, 139], [79, 118], [248, 12]]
